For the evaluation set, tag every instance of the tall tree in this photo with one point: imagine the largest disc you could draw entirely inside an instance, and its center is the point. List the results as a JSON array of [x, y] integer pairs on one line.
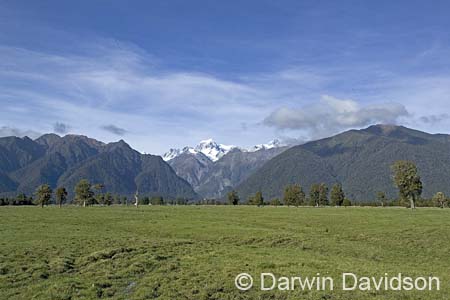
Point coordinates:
[[440, 199], [337, 195], [233, 198], [407, 180], [43, 194], [83, 192], [314, 195], [99, 196], [61, 196], [294, 195], [323, 194]]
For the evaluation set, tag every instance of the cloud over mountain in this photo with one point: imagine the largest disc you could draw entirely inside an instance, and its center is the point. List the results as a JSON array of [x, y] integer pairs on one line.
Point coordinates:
[[331, 115], [13, 131], [60, 128]]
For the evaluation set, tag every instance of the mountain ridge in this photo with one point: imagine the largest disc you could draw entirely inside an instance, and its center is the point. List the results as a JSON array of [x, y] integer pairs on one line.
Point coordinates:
[[63, 161], [215, 151], [359, 160]]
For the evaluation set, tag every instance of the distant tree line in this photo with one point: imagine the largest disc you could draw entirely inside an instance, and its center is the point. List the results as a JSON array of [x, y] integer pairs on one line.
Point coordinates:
[[294, 195], [86, 194], [405, 177]]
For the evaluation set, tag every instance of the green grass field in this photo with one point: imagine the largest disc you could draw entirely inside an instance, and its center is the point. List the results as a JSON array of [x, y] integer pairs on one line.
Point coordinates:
[[195, 252]]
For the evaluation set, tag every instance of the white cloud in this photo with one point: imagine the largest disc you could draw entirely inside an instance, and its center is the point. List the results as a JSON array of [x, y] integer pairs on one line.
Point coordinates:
[[159, 108], [115, 83], [331, 115]]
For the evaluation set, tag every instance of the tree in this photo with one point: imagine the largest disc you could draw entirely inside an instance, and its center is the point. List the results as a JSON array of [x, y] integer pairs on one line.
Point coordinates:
[[83, 192], [275, 202], [294, 195], [439, 199], [99, 196], [381, 197], [43, 194], [99, 199], [145, 200], [323, 194], [117, 199], [337, 195], [314, 195], [347, 202], [61, 196], [233, 198], [108, 199], [407, 180], [257, 199], [22, 199], [157, 200]]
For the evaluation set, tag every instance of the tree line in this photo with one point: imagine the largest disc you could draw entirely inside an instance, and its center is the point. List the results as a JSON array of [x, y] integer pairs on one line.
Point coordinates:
[[405, 177], [86, 194], [294, 195]]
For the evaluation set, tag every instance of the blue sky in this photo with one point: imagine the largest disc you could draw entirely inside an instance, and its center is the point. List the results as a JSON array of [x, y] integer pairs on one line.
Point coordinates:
[[162, 74]]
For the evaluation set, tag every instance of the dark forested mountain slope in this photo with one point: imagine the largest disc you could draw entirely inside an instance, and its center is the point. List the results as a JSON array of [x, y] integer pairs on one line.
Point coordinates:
[[358, 159], [63, 161]]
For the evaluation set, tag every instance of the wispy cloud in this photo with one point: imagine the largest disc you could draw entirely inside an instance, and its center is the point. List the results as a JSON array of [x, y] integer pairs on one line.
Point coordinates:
[[435, 119], [114, 129], [60, 128], [13, 131], [120, 84]]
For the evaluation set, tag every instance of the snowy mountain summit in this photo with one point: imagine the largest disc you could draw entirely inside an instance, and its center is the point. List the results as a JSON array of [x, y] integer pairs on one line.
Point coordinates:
[[270, 145], [215, 151], [208, 147]]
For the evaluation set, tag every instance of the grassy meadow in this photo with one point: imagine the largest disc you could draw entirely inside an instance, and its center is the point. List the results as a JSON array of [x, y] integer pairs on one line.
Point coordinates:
[[195, 252]]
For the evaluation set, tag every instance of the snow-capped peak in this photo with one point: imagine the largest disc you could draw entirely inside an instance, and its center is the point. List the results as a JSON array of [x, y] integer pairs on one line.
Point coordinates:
[[172, 153], [215, 151], [207, 147], [270, 145]]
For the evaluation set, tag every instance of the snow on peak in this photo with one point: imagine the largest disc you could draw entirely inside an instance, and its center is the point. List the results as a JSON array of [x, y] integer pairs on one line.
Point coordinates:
[[208, 147], [172, 153], [215, 151], [270, 145]]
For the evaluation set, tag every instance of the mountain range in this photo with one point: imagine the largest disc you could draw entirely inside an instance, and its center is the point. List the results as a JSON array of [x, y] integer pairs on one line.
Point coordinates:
[[214, 169], [63, 161], [360, 160], [215, 151]]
